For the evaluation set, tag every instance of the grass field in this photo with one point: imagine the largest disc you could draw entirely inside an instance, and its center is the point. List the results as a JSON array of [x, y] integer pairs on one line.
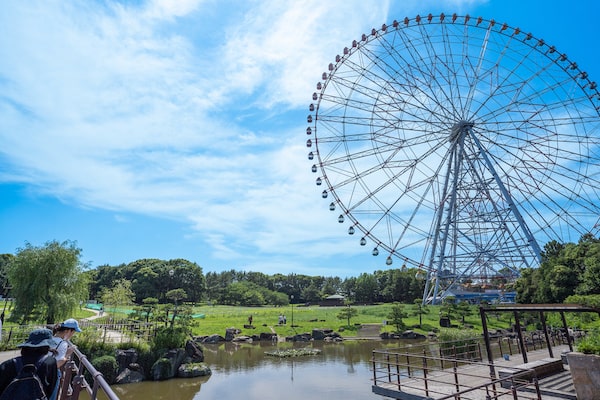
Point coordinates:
[[215, 319], [265, 319]]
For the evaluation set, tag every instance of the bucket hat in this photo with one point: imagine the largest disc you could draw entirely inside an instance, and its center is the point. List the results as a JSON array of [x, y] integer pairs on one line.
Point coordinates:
[[39, 338]]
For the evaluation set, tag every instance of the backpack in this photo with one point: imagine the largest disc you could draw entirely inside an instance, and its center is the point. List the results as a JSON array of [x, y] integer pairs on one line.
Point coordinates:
[[27, 385]]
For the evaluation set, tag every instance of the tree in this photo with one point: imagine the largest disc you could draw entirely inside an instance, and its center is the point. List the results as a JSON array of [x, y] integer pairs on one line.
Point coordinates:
[[463, 310], [5, 260], [47, 281], [147, 308], [366, 288], [420, 309], [347, 313], [311, 293], [119, 295], [396, 316], [175, 295]]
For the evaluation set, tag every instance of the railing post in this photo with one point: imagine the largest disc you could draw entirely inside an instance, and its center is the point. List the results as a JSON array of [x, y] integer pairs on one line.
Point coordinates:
[[408, 364], [374, 369], [397, 371], [537, 388], [513, 389], [425, 373], [78, 386], [455, 369], [68, 371], [389, 370]]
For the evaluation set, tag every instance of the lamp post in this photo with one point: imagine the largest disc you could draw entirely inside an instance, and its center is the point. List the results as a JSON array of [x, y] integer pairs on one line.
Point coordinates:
[[171, 274], [292, 302]]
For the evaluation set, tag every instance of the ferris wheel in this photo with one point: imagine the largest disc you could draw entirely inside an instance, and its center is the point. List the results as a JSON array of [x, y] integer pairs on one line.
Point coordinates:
[[457, 145]]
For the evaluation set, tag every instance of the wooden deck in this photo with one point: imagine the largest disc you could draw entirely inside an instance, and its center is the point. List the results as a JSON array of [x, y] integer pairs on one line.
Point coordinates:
[[473, 379]]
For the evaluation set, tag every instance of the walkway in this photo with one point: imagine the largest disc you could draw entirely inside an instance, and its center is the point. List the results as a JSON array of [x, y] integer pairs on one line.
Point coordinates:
[[442, 382]]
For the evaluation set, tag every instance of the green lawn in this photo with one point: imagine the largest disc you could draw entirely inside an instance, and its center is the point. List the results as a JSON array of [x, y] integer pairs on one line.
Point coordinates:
[[215, 319], [218, 318]]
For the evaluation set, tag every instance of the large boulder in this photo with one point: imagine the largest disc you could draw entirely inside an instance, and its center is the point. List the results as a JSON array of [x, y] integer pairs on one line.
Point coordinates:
[[161, 369], [133, 374], [125, 358], [268, 336], [318, 334], [166, 367], [213, 339], [412, 335], [230, 333], [301, 337]]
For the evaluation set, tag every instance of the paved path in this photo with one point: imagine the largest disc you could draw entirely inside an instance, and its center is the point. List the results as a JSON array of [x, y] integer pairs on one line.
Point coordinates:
[[111, 336]]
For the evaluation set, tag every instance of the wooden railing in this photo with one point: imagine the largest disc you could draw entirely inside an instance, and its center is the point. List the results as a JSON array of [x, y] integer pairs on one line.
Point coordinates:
[[123, 330]]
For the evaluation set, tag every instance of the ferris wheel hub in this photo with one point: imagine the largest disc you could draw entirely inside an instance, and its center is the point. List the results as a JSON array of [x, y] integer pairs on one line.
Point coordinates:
[[460, 128]]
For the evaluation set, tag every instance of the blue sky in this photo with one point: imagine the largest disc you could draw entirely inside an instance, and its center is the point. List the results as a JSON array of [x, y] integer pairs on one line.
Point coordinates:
[[175, 129]]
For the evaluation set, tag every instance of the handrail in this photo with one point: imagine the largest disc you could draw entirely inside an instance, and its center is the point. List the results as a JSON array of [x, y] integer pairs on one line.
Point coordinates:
[[74, 381], [395, 370]]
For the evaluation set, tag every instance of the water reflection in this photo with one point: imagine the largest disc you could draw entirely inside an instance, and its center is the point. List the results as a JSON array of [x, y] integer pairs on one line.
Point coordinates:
[[341, 371]]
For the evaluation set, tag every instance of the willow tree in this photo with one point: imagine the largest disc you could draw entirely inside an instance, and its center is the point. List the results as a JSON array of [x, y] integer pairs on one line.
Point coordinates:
[[48, 283]]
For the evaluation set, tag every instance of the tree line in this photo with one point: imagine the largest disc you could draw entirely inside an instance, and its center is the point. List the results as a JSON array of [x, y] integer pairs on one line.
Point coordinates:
[[49, 281]]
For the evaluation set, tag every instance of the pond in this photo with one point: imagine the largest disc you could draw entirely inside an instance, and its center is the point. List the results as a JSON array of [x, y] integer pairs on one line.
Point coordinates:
[[244, 371]]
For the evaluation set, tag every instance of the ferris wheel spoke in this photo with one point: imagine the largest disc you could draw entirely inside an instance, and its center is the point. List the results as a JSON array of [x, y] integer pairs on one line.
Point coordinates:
[[413, 98]]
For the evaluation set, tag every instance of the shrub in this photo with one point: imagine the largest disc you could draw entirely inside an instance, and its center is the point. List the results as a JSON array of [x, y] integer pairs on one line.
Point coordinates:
[[168, 338], [107, 366], [90, 343], [590, 344]]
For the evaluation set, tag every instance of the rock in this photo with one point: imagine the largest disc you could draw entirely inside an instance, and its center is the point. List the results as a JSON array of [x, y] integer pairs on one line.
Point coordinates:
[[318, 334], [130, 376], [194, 352], [167, 366], [192, 370], [161, 370], [242, 339], [230, 334], [213, 339], [301, 337], [125, 358], [268, 336], [412, 335]]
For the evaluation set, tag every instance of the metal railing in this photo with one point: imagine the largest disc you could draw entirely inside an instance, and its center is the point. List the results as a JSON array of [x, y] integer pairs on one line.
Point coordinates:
[[456, 369], [74, 381], [447, 378]]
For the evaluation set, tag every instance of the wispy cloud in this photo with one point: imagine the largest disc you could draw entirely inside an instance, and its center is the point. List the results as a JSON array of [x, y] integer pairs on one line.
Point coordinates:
[[188, 110]]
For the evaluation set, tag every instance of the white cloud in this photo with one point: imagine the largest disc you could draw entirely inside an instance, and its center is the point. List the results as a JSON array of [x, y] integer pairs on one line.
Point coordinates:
[[181, 109]]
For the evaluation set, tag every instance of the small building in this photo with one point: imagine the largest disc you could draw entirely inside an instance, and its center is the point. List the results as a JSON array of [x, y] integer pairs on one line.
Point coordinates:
[[334, 300], [492, 296]]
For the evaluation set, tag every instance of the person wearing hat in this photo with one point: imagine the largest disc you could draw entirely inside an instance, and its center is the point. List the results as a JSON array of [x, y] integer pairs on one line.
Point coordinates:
[[33, 351], [63, 332]]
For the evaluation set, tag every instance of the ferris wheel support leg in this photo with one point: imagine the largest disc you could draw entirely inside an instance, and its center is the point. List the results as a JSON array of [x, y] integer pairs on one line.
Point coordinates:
[[533, 243]]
